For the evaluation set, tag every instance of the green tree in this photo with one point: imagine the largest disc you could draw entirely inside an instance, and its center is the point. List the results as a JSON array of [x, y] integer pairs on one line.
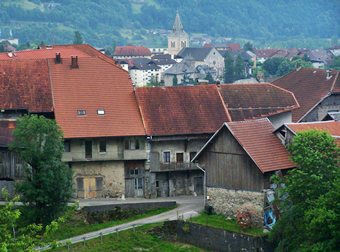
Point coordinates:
[[174, 80], [271, 65], [336, 63], [209, 78], [228, 68], [285, 67], [239, 72], [248, 47], [47, 186], [78, 38], [13, 237], [311, 211]]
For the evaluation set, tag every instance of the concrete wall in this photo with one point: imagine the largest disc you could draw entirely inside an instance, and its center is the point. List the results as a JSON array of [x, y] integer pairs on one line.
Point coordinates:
[[227, 202], [279, 119], [112, 173], [331, 103]]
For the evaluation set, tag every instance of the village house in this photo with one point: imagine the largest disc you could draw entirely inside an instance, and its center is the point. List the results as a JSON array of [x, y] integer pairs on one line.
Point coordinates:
[[317, 91], [239, 160], [177, 38], [89, 93], [287, 131], [144, 71], [205, 56], [128, 52], [178, 124]]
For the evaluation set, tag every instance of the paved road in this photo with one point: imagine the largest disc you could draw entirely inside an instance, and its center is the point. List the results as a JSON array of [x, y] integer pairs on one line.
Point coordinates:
[[187, 207]]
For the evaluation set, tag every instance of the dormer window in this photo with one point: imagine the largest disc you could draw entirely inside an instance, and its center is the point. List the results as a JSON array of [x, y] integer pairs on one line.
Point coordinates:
[[100, 112], [81, 112]]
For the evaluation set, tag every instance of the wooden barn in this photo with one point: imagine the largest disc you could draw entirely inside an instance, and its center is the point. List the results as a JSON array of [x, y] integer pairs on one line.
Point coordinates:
[[239, 160]]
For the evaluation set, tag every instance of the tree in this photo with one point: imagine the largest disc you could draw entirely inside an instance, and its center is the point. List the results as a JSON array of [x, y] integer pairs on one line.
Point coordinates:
[[271, 65], [228, 68], [239, 72], [47, 186], [16, 238], [285, 67], [311, 212], [336, 63], [174, 80], [78, 38], [248, 47], [209, 78]]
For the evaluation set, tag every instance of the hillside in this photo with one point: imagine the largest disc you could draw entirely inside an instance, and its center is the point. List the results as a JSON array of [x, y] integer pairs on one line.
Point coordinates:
[[102, 22]]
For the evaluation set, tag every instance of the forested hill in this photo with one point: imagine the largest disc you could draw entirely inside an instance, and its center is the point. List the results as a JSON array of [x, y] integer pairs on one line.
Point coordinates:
[[127, 21]]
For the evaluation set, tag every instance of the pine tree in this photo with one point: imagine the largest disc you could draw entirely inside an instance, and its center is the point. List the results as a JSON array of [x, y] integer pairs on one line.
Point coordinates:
[[239, 72], [228, 68]]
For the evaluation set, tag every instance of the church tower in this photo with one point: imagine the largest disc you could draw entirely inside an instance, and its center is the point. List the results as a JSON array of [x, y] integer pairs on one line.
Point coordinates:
[[178, 38]]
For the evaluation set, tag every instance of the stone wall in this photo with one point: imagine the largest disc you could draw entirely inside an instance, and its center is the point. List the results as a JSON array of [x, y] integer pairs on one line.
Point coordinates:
[[112, 173], [227, 202], [213, 239]]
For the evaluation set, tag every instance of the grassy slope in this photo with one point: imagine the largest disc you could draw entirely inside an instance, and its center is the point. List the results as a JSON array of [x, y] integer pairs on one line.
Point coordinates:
[[75, 225], [139, 240], [219, 221]]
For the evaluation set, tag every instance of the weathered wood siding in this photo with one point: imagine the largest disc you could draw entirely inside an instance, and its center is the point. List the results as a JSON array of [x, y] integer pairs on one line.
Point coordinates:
[[11, 166], [229, 166]]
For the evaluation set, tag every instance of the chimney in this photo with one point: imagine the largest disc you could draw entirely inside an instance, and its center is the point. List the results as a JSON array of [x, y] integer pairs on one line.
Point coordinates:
[[328, 74], [74, 62], [57, 59]]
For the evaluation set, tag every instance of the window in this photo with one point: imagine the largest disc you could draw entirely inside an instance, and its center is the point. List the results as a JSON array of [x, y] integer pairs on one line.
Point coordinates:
[[88, 149], [138, 183], [192, 155], [179, 157], [132, 144], [173, 44], [80, 184], [99, 183], [81, 112], [183, 44], [102, 146], [100, 112], [67, 146], [157, 184], [166, 156]]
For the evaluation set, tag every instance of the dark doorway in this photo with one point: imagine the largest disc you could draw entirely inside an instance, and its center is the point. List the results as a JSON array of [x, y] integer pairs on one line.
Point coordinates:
[[88, 149], [198, 185]]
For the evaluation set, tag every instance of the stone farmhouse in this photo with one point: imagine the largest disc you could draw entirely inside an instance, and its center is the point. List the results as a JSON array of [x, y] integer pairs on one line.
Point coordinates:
[[317, 91], [120, 141]]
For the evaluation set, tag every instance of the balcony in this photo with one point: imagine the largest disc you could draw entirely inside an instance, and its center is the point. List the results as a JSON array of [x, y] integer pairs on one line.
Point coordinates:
[[135, 155], [164, 167]]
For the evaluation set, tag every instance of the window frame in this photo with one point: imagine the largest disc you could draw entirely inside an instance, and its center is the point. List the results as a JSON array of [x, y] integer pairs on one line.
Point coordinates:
[[164, 157]]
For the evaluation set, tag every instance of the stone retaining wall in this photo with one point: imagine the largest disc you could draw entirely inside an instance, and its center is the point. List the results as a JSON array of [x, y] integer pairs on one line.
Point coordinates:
[[227, 202]]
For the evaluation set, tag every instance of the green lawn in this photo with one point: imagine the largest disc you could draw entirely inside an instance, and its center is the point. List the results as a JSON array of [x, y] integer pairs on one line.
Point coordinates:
[[75, 225], [219, 221], [139, 240]]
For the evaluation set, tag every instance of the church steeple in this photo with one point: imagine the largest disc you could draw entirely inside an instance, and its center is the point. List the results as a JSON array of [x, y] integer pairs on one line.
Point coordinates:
[[177, 24]]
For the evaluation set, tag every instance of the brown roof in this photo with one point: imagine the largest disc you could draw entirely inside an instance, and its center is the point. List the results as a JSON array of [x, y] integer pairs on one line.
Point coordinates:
[[265, 53], [181, 110], [310, 86], [28, 81], [258, 140], [131, 51], [24, 84], [96, 84], [251, 101], [332, 127]]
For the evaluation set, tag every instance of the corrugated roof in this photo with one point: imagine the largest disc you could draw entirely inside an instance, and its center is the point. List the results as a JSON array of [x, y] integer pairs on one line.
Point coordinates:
[[24, 84], [265, 149], [310, 86], [181, 110], [131, 51], [251, 101]]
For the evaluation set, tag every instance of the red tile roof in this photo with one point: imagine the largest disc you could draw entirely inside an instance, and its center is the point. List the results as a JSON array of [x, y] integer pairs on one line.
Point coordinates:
[[181, 110], [265, 53], [96, 84], [234, 47], [263, 147], [24, 84], [31, 77], [251, 101], [310, 86], [131, 51], [332, 127]]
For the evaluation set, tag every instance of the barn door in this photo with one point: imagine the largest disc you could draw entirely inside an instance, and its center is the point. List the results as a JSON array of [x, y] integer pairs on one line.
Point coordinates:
[[90, 187], [198, 185]]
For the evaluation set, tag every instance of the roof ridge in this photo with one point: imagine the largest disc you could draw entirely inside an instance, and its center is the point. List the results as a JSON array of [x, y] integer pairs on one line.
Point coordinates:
[[223, 104], [335, 79], [290, 92]]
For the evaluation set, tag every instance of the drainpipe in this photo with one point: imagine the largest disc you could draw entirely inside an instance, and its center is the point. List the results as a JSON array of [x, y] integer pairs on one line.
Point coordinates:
[[204, 183]]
